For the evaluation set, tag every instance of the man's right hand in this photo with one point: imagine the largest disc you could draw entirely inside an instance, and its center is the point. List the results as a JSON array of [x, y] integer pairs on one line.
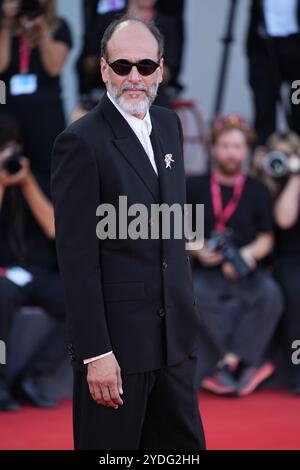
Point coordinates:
[[105, 382]]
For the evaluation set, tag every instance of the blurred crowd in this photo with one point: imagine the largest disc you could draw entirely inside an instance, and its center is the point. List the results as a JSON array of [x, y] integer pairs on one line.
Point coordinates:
[[247, 275]]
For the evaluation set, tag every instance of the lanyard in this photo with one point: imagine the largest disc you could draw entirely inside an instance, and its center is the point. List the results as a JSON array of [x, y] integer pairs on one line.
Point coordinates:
[[25, 54], [223, 215]]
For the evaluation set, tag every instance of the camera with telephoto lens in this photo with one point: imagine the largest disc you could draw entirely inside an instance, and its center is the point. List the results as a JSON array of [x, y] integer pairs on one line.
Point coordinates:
[[223, 242], [31, 9], [277, 164], [12, 164]]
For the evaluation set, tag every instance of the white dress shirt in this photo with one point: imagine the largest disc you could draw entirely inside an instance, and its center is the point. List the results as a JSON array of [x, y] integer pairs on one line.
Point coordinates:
[[142, 128], [281, 17]]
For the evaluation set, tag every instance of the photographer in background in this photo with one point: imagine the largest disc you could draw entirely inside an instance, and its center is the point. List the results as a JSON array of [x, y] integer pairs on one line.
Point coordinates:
[[239, 302], [28, 267], [287, 251], [273, 45], [272, 162], [34, 46]]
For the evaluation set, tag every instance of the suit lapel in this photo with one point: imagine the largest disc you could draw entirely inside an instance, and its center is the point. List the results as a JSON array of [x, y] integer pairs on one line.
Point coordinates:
[[160, 152], [130, 147], [166, 187], [167, 177]]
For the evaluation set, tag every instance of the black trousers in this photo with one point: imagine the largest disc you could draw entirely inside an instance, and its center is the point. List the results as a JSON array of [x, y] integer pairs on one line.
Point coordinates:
[[45, 291], [160, 412], [270, 65], [238, 316]]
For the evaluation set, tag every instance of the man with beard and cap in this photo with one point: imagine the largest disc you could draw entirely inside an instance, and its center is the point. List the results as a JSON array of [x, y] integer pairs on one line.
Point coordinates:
[[131, 310], [239, 301]]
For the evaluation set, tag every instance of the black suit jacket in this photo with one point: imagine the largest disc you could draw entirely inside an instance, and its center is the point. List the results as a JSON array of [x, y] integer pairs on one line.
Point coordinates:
[[257, 27], [132, 296]]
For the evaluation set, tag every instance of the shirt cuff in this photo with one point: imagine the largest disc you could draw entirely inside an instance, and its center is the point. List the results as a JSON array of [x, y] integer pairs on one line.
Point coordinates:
[[92, 359]]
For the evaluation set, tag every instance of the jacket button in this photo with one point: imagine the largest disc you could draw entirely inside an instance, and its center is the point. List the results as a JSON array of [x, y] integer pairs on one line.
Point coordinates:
[[164, 265], [161, 312]]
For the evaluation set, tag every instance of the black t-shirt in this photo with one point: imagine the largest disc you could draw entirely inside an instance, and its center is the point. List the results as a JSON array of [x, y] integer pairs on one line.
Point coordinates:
[[22, 240], [288, 242], [253, 214], [48, 88]]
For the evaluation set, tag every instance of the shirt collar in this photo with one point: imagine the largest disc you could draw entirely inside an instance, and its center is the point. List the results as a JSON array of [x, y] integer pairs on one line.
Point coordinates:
[[132, 120]]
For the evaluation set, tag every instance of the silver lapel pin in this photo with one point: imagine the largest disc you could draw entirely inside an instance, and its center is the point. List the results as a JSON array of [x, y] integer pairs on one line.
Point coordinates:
[[168, 160]]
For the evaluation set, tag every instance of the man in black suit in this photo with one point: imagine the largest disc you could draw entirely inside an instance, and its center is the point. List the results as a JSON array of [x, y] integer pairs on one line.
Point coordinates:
[[273, 49], [130, 304]]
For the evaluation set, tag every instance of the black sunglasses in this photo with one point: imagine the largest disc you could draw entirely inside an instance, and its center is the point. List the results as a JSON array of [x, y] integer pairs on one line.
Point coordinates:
[[123, 67]]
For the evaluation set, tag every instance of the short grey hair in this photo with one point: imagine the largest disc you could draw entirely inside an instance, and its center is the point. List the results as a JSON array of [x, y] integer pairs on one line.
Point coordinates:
[[118, 21]]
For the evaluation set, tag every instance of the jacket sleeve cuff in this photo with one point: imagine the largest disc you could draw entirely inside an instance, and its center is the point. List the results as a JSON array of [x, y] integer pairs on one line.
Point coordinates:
[[92, 359]]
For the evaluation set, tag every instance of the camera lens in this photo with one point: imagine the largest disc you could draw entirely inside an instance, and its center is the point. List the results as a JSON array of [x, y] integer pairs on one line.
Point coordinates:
[[13, 165], [275, 164]]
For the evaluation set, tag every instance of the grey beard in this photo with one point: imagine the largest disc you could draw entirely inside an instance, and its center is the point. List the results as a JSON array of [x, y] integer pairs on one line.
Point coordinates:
[[135, 109]]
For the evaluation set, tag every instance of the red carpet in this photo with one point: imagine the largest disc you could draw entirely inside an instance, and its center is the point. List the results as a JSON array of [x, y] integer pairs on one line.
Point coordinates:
[[268, 419]]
